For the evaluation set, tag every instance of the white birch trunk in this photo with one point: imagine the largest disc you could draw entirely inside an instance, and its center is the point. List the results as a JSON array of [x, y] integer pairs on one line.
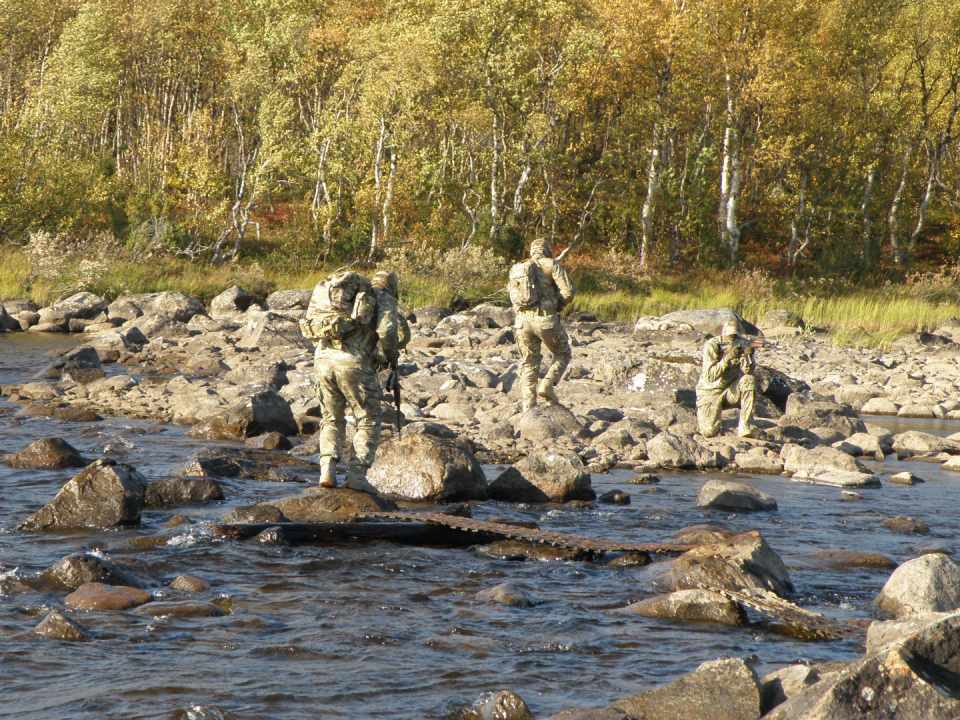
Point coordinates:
[[792, 251], [653, 180], [893, 217], [865, 210]]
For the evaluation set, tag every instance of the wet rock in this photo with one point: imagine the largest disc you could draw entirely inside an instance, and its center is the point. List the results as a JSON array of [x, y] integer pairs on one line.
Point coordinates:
[[182, 491], [607, 713], [637, 559], [231, 302], [718, 690], [72, 414], [81, 568], [324, 504], [703, 534], [729, 495], [912, 678], [189, 584], [262, 411], [614, 497], [544, 477], [502, 706], [57, 626], [270, 330], [425, 467], [780, 685], [105, 494], [98, 596], [849, 559], [82, 361], [255, 515], [825, 466], [182, 608], [930, 583], [548, 422], [903, 478], [272, 537], [519, 550], [269, 441], [906, 525], [914, 442], [644, 479], [850, 495], [47, 454], [691, 606], [669, 450], [740, 562], [506, 594]]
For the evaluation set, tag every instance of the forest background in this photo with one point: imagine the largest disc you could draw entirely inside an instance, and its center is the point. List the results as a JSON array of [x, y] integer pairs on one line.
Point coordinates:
[[796, 154]]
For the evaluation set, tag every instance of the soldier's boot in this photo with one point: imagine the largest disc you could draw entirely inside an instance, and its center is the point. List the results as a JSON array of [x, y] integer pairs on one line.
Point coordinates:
[[744, 430], [357, 480], [528, 405], [328, 472], [546, 391]]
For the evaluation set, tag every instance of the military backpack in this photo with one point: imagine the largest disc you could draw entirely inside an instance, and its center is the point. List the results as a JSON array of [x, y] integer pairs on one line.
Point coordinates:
[[340, 305], [523, 286]]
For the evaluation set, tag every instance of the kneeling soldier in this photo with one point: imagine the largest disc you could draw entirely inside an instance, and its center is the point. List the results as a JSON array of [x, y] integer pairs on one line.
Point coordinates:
[[727, 380]]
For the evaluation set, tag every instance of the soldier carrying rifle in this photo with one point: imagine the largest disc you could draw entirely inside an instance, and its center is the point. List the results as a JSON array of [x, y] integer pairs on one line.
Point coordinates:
[[727, 380]]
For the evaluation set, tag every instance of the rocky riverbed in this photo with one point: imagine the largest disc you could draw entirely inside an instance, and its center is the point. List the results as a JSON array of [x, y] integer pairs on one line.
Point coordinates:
[[220, 405]]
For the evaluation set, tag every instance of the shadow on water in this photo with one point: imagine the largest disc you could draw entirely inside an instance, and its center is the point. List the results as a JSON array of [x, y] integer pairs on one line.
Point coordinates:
[[382, 631]]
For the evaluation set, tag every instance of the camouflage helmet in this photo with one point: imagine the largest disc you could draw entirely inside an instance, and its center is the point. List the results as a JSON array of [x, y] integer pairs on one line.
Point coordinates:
[[540, 248], [731, 328], [386, 281]]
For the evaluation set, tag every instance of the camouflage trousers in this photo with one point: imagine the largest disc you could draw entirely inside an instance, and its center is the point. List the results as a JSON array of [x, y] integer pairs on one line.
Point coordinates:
[[534, 331], [712, 403], [337, 385]]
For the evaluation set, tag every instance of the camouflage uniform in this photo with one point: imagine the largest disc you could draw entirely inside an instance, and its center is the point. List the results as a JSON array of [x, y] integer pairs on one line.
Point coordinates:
[[344, 373], [727, 380], [542, 325]]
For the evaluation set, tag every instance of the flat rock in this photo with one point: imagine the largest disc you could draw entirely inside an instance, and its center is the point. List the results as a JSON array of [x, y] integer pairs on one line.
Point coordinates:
[[849, 559], [879, 406], [914, 442], [906, 478], [426, 467], [729, 495], [180, 608], [884, 632], [703, 534], [177, 491], [57, 626], [805, 411], [691, 606], [930, 583], [506, 594], [544, 477], [825, 466], [323, 504], [47, 454], [758, 464], [717, 690], [906, 525], [105, 494], [255, 515], [98, 596], [518, 550]]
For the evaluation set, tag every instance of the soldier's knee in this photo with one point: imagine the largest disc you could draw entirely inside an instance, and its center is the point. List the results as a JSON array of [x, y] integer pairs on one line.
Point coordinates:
[[748, 382]]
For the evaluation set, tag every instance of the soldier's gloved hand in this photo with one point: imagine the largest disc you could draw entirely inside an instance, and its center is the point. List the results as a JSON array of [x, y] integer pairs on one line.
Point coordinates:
[[393, 357], [734, 351]]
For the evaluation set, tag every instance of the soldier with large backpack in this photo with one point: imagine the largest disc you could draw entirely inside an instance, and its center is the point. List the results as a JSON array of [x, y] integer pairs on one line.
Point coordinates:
[[539, 289], [349, 321]]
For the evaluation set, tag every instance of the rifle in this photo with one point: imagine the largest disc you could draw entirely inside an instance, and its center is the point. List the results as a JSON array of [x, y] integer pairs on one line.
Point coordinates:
[[393, 383], [744, 344]]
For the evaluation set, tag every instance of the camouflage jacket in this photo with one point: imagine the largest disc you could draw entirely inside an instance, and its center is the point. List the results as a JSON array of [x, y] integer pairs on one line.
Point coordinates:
[[360, 347], [556, 289], [719, 372]]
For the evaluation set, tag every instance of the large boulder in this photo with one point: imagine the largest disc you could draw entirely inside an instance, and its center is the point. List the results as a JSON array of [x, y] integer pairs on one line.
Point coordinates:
[[808, 411], [691, 606], [231, 302], [105, 494], [263, 410], [47, 454], [82, 363], [710, 320], [737, 563], [293, 302], [426, 467], [154, 326], [544, 477], [548, 422], [79, 569], [929, 583], [99, 596], [83, 305], [669, 450], [914, 442], [825, 466], [737, 496], [914, 677], [176, 491], [271, 330], [718, 690], [429, 316], [172, 304]]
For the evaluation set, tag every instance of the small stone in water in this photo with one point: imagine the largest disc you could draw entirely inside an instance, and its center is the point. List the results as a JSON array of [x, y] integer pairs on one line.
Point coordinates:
[[57, 626], [904, 478], [614, 497], [189, 584], [850, 495], [907, 525], [644, 479]]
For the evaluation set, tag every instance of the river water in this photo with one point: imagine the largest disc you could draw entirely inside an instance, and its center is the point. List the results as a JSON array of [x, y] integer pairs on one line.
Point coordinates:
[[385, 631]]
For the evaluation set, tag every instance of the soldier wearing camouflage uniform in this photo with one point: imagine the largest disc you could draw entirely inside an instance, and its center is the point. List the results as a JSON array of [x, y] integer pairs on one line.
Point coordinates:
[[727, 380], [541, 325], [344, 372]]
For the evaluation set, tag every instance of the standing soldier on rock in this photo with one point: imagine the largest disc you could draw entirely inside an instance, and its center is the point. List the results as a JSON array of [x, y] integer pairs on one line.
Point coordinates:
[[727, 380], [348, 319], [539, 289]]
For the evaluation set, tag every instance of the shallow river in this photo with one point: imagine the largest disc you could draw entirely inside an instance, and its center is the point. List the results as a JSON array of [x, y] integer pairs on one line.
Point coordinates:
[[385, 631]]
